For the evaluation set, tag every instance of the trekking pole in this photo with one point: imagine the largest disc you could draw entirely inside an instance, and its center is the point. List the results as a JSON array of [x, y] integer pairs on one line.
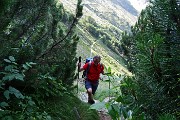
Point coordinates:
[[78, 71]]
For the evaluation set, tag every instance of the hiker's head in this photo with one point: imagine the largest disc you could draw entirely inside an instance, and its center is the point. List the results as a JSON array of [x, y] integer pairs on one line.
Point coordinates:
[[96, 59]]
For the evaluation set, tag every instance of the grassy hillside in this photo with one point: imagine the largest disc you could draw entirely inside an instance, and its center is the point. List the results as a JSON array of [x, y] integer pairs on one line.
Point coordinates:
[[109, 58], [100, 30]]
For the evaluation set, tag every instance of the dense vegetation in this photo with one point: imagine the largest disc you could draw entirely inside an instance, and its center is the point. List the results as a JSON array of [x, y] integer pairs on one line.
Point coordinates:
[[152, 52], [36, 68]]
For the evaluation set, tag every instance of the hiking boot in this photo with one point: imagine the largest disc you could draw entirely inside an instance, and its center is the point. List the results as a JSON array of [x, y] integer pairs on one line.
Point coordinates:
[[91, 101]]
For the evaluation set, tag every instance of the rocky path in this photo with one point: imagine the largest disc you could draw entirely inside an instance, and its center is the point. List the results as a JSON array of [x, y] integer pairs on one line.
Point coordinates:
[[102, 112]]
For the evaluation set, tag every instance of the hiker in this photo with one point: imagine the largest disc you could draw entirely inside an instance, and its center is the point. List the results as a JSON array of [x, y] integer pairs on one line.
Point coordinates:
[[92, 77]]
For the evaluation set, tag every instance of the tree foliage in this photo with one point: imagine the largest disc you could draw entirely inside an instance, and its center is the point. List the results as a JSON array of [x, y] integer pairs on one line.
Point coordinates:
[[36, 32], [152, 52]]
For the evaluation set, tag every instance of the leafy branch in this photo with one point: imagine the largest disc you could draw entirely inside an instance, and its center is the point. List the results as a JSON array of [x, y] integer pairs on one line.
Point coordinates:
[[75, 20]]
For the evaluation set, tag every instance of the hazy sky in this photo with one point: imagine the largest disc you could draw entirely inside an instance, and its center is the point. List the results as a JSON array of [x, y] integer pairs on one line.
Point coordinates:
[[139, 4]]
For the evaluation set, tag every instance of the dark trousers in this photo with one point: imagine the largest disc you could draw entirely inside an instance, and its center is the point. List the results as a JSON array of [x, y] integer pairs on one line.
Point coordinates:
[[92, 84]]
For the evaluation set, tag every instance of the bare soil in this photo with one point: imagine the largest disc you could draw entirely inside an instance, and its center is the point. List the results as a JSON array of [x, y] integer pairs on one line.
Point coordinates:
[[102, 113], [104, 116]]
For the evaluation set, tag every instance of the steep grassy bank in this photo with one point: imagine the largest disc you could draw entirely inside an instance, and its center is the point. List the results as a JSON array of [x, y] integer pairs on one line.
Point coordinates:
[[70, 107]]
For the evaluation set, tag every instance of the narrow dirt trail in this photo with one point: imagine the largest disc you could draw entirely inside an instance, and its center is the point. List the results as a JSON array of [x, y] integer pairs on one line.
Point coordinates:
[[102, 112], [104, 116]]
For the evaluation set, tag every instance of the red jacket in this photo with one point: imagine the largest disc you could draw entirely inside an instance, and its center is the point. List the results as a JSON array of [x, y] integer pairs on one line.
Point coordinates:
[[94, 71]]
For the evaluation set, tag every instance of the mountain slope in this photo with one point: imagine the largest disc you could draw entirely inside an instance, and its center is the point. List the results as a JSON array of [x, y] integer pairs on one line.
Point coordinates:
[[105, 11], [100, 28]]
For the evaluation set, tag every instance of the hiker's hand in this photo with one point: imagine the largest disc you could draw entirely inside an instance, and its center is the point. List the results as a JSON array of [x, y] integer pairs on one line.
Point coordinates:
[[79, 65]]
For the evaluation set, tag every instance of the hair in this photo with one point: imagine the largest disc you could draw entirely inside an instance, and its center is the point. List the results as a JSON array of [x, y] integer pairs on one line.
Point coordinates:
[[97, 57]]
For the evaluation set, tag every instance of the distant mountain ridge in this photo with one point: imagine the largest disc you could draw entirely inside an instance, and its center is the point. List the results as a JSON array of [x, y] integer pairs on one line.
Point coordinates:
[[127, 6]]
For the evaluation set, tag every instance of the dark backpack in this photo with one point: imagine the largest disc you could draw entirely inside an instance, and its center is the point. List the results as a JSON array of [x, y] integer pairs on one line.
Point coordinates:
[[85, 72]]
